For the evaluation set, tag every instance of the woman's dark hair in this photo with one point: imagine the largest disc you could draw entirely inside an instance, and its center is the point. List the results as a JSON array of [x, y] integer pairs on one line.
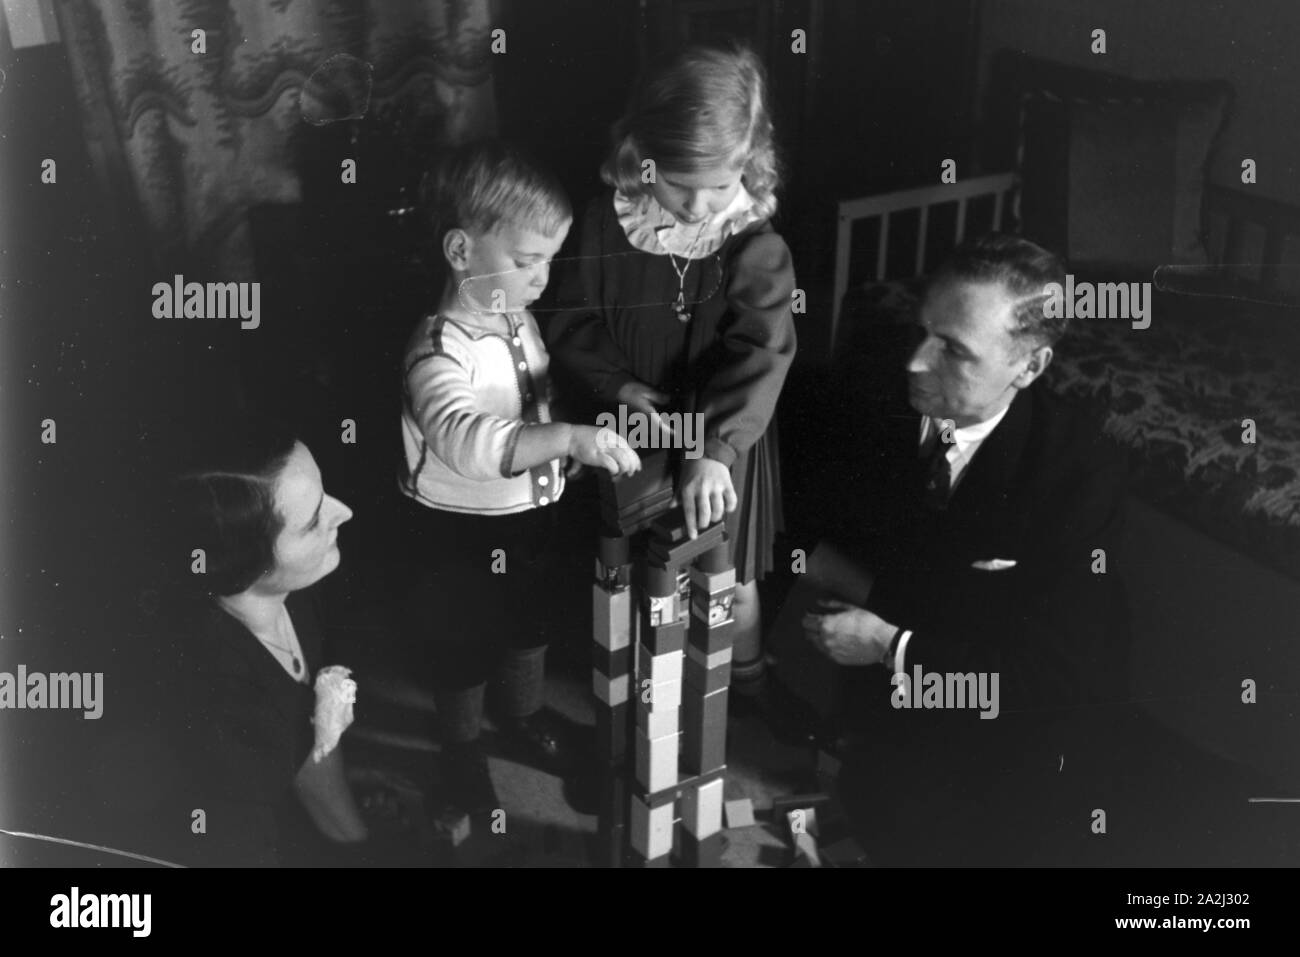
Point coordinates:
[[224, 504]]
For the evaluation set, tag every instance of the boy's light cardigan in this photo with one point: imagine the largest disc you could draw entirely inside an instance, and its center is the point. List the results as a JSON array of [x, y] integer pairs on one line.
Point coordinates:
[[469, 394]]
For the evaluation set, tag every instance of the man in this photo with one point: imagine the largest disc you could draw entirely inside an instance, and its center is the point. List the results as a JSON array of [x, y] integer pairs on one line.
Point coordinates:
[[987, 515]]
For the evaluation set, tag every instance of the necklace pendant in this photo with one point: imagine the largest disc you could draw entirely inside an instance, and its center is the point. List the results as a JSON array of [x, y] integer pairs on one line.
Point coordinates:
[[682, 315]]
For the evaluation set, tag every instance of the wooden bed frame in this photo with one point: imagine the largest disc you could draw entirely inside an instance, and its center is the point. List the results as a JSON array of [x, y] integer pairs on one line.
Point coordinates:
[[1240, 213]]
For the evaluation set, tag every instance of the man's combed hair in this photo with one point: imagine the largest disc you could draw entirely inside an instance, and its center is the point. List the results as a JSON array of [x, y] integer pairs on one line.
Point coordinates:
[[692, 109], [226, 505], [479, 186], [1024, 268]]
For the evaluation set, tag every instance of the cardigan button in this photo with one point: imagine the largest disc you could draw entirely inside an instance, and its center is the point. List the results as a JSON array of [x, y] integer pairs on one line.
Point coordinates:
[[542, 480], [517, 341], [543, 500], [523, 367]]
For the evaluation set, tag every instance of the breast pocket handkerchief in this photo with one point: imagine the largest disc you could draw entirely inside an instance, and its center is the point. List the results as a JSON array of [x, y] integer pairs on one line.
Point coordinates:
[[994, 564]]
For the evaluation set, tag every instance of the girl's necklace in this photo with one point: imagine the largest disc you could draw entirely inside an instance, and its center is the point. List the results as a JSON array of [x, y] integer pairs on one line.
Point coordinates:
[[680, 307]]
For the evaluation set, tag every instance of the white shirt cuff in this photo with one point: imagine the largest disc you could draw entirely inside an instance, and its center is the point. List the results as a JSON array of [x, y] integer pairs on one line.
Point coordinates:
[[899, 654]]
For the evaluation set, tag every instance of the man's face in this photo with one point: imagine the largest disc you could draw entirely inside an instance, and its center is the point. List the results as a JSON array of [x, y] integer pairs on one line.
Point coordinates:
[[508, 268], [969, 366]]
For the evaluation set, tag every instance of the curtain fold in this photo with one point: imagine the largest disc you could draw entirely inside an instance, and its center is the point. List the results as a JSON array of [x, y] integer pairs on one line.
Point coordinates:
[[185, 142]]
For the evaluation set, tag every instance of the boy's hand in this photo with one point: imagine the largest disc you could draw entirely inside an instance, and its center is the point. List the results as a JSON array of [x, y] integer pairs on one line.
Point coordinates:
[[706, 494], [639, 397], [603, 449]]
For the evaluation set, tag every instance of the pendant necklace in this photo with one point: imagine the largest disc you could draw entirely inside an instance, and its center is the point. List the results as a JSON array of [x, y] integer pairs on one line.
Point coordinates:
[[297, 662], [680, 306]]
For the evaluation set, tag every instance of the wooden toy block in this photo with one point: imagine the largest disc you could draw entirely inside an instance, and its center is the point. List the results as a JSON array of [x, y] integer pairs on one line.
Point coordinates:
[[614, 550], [740, 813], [706, 680], [702, 808], [804, 806], [702, 851], [661, 611], [660, 580], [715, 660], [612, 664], [710, 639], [610, 689], [656, 724], [685, 781], [613, 577], [717, 559], [711, 582], [656, 761], [704, 731], [611, 733], [651, 829], [659, 696], [685, 551], [658, 667], [611, 617], [713, 609], [660, 640], [845, 853]]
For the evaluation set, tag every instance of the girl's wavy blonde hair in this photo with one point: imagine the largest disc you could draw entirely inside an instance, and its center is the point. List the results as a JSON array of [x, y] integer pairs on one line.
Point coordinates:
[[691, 110]]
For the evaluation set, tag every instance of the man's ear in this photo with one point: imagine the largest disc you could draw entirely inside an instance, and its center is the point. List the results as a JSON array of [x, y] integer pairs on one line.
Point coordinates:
[[1036, 364], [456, 246]]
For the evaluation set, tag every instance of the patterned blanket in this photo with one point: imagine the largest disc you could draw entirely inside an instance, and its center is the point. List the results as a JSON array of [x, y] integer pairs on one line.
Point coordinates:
[[1185, 397]]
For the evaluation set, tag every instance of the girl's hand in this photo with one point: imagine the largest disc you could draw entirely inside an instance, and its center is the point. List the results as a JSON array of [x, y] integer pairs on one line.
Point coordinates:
[[639, 397], [706, 493], [603, 449]]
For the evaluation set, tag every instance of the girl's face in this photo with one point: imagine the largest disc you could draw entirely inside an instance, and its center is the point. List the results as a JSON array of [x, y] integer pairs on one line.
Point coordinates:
[[692, 198], [307, 548]]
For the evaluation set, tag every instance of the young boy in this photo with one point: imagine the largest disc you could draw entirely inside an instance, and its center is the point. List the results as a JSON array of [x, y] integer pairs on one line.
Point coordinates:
[[484, 461]]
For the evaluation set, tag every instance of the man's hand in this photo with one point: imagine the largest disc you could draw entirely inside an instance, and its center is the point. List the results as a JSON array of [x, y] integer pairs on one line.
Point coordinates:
[[849, 635], [706, 493]]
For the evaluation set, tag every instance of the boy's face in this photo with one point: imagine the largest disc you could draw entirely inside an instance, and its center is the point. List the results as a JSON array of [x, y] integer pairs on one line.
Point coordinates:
[[692, 198], [504, 270]]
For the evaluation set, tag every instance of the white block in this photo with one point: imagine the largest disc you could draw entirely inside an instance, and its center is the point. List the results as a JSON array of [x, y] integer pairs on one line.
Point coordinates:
[[656, 761], [611, 618], [659, 668], [658, 696], [702, 809], [652, 829], [612, 691]]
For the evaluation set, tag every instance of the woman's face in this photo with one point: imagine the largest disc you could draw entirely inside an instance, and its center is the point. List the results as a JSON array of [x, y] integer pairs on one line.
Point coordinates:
[[692, 198], [307, 548]]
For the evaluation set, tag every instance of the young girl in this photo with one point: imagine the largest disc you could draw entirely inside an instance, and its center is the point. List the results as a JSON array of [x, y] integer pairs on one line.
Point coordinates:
[[681, 300], [484, 461]]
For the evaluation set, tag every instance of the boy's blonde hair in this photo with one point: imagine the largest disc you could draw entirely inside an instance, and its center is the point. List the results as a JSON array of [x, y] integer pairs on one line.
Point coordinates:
[[478, 186], [692, 109]]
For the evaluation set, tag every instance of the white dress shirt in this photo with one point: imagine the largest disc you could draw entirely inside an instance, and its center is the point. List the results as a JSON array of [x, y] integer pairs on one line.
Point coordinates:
[[965, 443]]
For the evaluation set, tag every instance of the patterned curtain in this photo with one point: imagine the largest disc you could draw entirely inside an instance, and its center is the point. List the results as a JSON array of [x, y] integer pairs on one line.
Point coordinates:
[[185, 142]]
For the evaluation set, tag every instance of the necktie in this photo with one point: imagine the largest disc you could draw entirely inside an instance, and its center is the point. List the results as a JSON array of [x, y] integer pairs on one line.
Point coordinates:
[[938, 475]]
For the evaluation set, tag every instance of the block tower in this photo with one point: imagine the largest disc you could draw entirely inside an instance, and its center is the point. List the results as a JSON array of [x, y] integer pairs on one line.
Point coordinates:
[[662, 668]]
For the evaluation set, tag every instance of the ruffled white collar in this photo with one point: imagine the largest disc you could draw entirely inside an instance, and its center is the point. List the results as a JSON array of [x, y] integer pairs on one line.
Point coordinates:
[[652, 229]]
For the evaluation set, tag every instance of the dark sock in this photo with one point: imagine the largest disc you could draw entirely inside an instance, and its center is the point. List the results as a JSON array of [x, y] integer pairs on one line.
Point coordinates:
[[749, 677], [460, 714], [521, 682]]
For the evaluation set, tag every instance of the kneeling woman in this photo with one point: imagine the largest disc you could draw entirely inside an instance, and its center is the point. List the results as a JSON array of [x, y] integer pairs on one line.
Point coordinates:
[[264, 722]]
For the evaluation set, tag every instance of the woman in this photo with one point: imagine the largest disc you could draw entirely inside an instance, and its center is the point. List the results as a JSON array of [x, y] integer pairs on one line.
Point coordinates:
[[261, 530]]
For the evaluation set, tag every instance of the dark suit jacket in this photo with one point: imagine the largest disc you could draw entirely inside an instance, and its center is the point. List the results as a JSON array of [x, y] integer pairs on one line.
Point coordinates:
[[250, 730], [1044, 490]]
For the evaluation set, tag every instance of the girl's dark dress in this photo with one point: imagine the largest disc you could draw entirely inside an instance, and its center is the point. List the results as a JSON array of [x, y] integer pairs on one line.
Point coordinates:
[[617, 322]]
